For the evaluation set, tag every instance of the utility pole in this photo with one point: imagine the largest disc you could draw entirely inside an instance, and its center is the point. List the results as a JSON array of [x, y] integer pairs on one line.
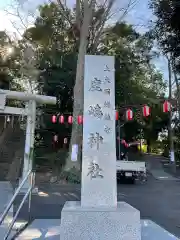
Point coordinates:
[[118, 129], [119, 140], [170, 133], [141, 138]]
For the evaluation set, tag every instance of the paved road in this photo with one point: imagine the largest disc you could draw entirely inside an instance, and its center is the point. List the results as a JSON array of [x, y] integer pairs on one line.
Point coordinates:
[[157, 200]]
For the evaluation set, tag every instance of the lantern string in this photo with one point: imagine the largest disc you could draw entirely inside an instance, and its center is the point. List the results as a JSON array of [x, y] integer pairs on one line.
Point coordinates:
[[129, 114]]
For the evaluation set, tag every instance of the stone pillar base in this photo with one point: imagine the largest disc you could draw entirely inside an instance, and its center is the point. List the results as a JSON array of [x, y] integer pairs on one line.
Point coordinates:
[[100, 223]]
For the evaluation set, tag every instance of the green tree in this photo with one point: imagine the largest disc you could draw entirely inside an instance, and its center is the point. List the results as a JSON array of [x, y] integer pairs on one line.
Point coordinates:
[[5, 61], [9, 64], [166, 30], [167, 26], [137, 81]]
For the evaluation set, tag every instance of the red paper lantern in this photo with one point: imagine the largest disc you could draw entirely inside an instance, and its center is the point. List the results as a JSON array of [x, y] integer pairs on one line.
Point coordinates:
[[117, 115], [70, 119], [61, 119], [166, 106], [126, 145], [80, 119], [146, 111], [55, 138], [129, 114], [54, 119]]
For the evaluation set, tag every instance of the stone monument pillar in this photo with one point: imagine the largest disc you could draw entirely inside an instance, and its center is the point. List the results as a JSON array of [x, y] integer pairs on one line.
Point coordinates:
[[99, 216], [99, 155]]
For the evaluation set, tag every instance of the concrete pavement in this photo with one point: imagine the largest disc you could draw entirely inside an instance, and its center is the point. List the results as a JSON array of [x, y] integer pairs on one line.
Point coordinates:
[[45, 228], [155, 167], [162, 175]]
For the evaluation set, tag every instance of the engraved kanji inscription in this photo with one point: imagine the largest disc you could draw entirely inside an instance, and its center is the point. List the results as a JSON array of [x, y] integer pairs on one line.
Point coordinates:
[[107, 116], [95, 140], [107, 104], [94, 170], [96, 85], [107, 91], [107, 80], [95, 111], [106, 69], [107, 129]]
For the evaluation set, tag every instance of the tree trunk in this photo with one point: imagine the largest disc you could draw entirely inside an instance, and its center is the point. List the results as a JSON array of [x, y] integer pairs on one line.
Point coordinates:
[[170, 130], [148, 146], [76, 137]]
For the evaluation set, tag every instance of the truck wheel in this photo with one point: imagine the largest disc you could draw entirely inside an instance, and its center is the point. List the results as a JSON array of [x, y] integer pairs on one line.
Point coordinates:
[[118, 180], [132, 180]]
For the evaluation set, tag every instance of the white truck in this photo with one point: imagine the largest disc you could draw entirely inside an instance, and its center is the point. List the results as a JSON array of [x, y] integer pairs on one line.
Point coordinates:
[[126, 169], [131, 170]]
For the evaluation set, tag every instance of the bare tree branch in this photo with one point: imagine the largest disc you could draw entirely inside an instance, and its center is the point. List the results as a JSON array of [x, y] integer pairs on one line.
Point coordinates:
[[19, 18], [64, 12], [15, 27], [106, 16], [78, 14], [66, 17], [27, 58], [130, 6], [102, 23], [16, 13]]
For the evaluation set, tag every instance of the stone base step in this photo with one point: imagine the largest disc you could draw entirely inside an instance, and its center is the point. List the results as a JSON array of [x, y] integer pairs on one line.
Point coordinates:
[[50, 229]]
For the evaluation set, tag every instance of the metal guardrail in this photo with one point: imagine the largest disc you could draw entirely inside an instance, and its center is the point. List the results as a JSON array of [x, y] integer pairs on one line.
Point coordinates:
[[30, 174]]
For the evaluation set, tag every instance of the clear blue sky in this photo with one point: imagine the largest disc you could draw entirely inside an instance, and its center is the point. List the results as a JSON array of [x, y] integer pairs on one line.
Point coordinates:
[[139, 16]]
